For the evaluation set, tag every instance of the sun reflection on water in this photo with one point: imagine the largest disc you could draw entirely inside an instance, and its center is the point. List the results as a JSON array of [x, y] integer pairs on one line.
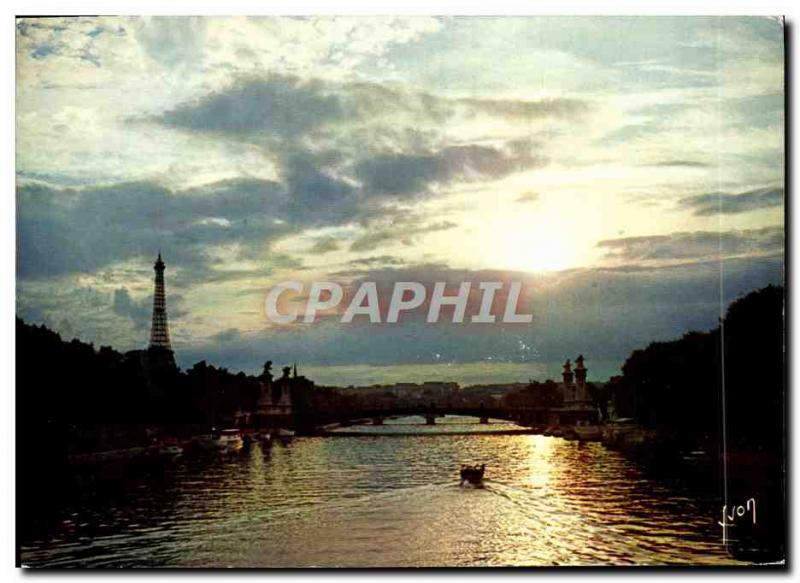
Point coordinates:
[[389, 500]]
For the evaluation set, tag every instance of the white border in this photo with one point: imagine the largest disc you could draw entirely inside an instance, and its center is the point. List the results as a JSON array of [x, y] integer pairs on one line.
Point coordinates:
[[407, 7], [307, 7]]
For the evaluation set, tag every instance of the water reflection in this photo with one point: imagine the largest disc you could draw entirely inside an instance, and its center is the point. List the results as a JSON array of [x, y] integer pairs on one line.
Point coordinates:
[[385, 501]]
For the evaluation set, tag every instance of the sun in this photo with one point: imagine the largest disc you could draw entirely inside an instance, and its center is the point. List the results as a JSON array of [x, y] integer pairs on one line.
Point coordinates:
[[521, 244], [532, 252]]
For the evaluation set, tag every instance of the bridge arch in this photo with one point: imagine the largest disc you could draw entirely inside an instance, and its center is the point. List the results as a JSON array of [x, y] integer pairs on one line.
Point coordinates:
[[526, 417]]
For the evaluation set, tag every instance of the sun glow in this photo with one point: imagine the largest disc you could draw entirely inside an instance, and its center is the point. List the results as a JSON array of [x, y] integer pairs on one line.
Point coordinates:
[[522, 244], [534, 252]]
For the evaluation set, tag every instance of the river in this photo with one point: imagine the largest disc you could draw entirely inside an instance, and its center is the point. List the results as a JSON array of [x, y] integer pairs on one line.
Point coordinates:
[[384, 499]]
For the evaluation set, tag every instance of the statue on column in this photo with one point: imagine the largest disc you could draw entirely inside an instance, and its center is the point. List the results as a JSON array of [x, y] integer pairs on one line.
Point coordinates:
[[567, 374], [569, 389], [266, 375], [580, 379]]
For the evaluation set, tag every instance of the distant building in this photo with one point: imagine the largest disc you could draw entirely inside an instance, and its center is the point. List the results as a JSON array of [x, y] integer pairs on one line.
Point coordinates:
[[407, 392]]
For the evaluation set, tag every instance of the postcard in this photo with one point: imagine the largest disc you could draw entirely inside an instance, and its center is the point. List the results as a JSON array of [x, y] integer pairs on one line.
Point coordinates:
[[395, 292]]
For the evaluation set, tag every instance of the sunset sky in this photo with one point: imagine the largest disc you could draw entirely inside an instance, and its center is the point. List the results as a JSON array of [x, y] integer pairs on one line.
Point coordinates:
[[628, 170]]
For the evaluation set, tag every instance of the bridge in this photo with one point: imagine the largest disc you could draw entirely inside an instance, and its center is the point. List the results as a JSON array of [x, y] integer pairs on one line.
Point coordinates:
[[295, 401], [523, 416]]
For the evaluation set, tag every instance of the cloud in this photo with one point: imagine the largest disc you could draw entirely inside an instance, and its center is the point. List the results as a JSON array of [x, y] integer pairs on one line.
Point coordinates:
[[83, 311], [227, 336], [405, 231], [679, 164], [281, 105], [65, 38], [62, 231], [82, 229], [138, 311], [315, 195], [520, 109], [694, 246], [173, 40], [289, 106], [585, 310], [324, 245], [388, 139], [728, 204], [411, 174], [376, 260]]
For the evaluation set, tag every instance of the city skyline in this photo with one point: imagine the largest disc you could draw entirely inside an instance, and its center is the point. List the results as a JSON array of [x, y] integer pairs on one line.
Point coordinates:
[[633, 182]]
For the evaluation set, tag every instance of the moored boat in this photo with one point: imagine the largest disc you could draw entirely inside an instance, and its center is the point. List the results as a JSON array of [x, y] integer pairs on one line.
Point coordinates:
[[227, 440], [230, 440]]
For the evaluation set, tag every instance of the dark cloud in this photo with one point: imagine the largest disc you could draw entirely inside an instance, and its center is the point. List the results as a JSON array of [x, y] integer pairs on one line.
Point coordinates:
[[371, 100], [317, 197], [379, 260], [226, 336], [605, 314], [695, 246], [727, 204], [400, 173], [281, 105], [406, 232], [289, 106], [138, 311], [324, 245], [412, 174], [61, 231], [329, 138], [80, 230]]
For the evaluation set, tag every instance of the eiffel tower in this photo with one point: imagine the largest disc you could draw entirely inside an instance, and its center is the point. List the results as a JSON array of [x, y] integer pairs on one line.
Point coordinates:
[[159, 332]]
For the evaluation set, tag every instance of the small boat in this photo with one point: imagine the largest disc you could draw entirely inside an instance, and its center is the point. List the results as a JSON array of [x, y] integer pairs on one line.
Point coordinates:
[[227, 440], [472, 474]]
